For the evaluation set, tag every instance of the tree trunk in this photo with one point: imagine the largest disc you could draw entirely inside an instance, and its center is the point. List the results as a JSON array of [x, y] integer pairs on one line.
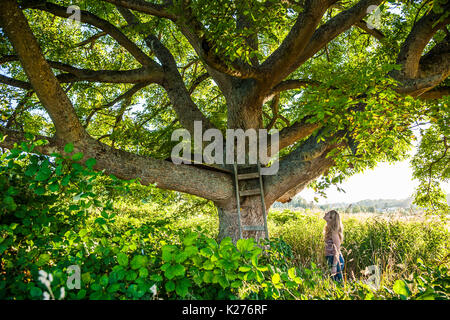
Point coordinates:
[[244, 112], [251, 215], [251, 211]]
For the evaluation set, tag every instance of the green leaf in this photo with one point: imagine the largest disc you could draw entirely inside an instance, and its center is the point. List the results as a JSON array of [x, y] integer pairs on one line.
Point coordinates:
[[43, 259], [86, 277], [114, 287], [81, 294], [208, 265], [276, 278], [255, 260], [143, 272], [77, 156], [190, 251], [54, 187], [227, 241], [131, 275], [104, 280], [291, 273], [174, 270], [156, 277], [190, 238], [179, 270], [208, 276], [90, 163], [31, 170], [167, 253], [29, 136], [43, 174], [182, 287], [122, 258], [244, 244], [206, 252], [65, 181], [68, 148], [223, 281], [181, 257], [165, 266], [39, 191], [401, 288], [170, 286], [36, 292], [245, 268]]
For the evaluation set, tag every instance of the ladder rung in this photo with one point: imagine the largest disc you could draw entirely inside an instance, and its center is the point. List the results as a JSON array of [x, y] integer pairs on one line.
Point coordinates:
[[247, 166], [253, 228], [250, 192], [244, 176]]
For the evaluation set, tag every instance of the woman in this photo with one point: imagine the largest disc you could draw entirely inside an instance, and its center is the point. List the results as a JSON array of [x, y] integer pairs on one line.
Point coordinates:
[[334, 235]]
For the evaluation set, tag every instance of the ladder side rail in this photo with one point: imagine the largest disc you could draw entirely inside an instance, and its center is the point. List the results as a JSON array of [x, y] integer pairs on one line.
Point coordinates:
[[237, 199], [263, 204]]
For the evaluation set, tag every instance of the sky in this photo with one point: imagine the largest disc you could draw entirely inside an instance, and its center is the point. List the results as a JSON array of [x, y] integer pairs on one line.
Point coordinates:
[[386, 181]]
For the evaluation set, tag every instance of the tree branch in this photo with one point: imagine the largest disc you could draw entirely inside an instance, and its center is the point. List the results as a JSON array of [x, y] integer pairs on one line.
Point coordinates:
[[99, 23], [330, 30], [436, 93], [290, 85], [182, 103], [436, 61], [422, 32], [276, 67], [377, 34], [300, 167], [41, 77], [212, 185], [15, 83], [299, 130], [422, 73], [157, 10], [147, 74]]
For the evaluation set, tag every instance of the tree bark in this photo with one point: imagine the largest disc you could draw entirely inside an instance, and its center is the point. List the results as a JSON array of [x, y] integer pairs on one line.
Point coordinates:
[[251, 211], [251, 215]]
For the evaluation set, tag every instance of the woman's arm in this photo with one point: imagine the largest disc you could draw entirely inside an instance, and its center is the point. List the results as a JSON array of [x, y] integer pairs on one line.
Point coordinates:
[[337, 247]]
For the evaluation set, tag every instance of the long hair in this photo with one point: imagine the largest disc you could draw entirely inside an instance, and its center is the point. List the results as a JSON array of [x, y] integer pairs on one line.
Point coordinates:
[[334, 225]]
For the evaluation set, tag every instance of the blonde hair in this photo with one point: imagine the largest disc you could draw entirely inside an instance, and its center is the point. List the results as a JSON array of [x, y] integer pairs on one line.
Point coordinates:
[[334, 225]]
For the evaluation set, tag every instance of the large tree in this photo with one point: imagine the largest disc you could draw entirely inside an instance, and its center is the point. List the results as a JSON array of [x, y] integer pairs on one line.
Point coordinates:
[[343, 93]]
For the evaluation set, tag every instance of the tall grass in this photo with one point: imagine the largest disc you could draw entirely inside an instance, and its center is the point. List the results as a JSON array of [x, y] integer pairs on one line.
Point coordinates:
[[394, 244]]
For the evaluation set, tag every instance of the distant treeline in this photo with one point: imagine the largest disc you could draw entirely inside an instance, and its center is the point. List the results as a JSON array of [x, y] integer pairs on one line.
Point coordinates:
[[379, 205]]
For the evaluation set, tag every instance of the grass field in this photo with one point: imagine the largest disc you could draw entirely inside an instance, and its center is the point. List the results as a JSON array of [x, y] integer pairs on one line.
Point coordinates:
[[139, 231], [392, 243]]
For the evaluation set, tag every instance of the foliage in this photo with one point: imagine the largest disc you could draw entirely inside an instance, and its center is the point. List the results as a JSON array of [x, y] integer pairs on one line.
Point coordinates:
[[431, 164], [355, 93], [145, 252], [50, 212]]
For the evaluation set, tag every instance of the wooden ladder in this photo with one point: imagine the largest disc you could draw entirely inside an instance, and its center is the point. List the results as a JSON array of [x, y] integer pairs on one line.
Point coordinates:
[[251, 192]]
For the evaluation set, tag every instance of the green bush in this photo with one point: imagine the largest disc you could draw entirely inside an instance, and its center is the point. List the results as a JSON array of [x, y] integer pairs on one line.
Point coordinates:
[[56, 214]]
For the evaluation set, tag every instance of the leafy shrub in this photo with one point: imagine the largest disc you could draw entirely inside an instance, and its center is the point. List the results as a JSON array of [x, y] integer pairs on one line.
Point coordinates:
[[56, 214]]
